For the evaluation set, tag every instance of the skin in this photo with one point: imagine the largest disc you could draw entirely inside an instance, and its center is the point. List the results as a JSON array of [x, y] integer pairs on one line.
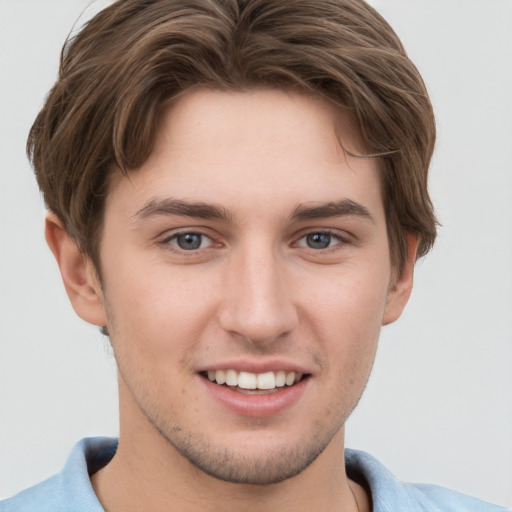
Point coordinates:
[[255, 291]]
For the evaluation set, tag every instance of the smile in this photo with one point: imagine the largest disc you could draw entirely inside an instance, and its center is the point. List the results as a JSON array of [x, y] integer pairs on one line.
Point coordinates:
[[256, 395], [247, 381]]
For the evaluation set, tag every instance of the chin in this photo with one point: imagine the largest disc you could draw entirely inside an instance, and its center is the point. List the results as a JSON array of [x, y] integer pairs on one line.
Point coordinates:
[[267, 466], [248, 463]]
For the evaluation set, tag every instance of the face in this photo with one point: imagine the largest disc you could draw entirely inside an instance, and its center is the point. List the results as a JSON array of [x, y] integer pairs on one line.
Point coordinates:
[[246, 275]]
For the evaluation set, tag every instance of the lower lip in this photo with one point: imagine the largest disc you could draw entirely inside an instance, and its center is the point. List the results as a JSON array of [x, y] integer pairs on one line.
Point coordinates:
[[259, 406]]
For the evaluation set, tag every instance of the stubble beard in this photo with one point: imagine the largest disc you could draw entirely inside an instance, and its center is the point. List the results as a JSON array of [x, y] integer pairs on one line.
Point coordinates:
[[233, 465], [236, 464]]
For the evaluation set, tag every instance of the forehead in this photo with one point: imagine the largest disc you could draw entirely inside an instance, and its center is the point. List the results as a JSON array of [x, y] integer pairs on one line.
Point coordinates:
[[255, 118], [264, 146]]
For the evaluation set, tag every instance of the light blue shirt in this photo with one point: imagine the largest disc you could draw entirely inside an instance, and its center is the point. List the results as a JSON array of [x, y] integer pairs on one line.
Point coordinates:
[[71, 490]]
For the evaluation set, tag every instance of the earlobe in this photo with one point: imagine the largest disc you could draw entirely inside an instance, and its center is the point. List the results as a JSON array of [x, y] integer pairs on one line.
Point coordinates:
[[401, 289], [77, 271]]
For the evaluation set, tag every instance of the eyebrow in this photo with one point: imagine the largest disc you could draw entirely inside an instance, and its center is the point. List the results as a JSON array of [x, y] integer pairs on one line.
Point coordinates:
[[344, 207], [170, 206], [179, 207]]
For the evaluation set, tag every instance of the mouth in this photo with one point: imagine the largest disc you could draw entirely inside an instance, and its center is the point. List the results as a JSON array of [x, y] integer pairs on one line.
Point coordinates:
[[254, 383]]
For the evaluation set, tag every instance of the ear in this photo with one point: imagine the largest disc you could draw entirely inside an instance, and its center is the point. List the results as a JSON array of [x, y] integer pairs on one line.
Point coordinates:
[[77, 271], [401, 288]]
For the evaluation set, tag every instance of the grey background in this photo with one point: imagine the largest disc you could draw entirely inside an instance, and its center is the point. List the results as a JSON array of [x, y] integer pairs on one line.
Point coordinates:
[[439, 404]]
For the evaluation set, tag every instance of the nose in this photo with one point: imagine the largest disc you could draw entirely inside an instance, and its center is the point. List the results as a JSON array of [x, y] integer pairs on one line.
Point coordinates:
[[257, 302]]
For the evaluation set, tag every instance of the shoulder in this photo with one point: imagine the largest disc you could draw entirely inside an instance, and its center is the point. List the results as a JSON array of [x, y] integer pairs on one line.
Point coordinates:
[[70, 490], [391, 495], [44, 497], [448, 500]]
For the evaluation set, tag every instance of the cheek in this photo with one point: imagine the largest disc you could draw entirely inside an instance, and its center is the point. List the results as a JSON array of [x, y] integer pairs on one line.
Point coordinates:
[[348, 301], [155, 311], [345, 314]]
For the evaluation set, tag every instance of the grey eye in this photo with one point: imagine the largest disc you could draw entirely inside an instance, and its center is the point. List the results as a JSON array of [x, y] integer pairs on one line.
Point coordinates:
[[189, 241], [318, 240]]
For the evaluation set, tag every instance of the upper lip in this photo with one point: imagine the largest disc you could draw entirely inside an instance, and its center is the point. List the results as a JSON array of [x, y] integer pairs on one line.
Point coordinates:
[[252, 366]]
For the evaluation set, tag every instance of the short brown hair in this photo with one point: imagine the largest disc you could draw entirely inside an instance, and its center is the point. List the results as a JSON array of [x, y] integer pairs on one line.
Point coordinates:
[[135, 56]]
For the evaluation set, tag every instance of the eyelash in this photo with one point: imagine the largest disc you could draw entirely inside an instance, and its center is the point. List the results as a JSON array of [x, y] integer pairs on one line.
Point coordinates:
[[168, 241], [174, 237], [338, 238]]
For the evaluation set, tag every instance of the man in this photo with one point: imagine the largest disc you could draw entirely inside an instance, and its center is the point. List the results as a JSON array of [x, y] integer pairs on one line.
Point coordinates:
[[237, 196]]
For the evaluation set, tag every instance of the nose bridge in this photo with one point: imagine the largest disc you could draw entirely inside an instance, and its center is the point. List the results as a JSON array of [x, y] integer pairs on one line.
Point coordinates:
[[257, 302]]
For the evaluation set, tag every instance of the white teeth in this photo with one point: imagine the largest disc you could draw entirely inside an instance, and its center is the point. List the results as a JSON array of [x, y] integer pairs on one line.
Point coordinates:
[[280, 379], [266, 380], [231, 378], [248, 380], [220, 376]]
